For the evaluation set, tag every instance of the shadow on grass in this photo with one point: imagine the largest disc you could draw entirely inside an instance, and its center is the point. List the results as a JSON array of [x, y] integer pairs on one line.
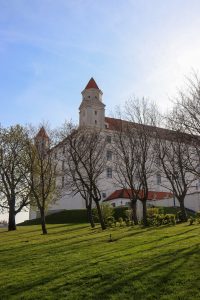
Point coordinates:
[[139, 283]]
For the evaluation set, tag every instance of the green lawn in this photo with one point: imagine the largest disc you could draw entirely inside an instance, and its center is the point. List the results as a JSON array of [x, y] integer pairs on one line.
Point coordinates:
[[75, 262]]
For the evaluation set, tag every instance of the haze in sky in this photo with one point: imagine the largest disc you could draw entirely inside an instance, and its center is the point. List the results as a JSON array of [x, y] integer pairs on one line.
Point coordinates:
[[50, 49]]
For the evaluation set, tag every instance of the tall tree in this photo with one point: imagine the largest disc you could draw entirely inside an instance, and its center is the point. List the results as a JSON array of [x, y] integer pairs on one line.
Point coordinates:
[[84, 162], [14, 170], [174, 153], [43, 174], [126, 162], [144, 117]]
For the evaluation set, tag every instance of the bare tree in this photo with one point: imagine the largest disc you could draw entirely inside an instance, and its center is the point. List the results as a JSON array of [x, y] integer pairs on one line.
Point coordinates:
[[126, 163], [14, 169], [135, 157], [186, 113], [174, 153], [185, 119], [43, 173], [84, 165]]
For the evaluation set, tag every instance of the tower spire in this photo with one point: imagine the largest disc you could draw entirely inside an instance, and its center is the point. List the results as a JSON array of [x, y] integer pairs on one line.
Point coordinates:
[[91, 84]]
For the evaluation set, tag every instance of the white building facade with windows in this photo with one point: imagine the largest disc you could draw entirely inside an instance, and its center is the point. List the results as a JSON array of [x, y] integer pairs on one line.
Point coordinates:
[[92, 114]]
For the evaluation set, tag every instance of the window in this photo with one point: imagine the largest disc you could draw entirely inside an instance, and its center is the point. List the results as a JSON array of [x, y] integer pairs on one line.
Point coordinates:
[[113, 204], [137, 176], [95, 112], [108, 139], [109, 155], [104, 195], [95, 121], [109, 172], [158, 178], [63, 181], [55, 155], [63, 165], [158, 162]]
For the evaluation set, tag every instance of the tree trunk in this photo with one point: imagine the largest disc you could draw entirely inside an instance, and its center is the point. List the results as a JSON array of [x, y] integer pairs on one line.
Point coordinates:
[[43, 221], [144, 210], [183, 211], [11, 219], [134, 211], [103, 226], [90, 216]]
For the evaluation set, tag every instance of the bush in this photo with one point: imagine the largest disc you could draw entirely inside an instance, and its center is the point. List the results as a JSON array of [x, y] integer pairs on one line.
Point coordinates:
[[110, 221], [158, 219], [107, 212], [197, 215], [121, 222], [180, 216], [152, 211], [128, 214], [191, 220], [120, 212]]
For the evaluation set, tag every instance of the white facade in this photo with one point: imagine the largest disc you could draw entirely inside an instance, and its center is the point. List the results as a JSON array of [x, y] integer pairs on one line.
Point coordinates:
[[92, 113]]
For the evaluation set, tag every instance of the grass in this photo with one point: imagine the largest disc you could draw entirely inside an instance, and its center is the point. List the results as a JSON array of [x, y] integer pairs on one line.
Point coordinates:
[[76, 262]]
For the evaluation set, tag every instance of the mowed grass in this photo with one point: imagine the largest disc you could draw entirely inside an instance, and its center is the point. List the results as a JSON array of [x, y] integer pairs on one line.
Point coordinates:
[[76, 262]]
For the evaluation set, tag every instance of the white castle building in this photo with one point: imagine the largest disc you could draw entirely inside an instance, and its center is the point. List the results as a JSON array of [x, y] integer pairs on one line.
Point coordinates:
[[92, 114]]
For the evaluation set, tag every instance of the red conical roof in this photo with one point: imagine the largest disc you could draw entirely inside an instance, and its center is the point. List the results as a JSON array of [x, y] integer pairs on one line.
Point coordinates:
[[91, 84], [42, 133]]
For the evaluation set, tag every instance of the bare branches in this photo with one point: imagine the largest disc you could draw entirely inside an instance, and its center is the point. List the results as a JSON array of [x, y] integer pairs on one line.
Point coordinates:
[[133, 145], [84, 163]]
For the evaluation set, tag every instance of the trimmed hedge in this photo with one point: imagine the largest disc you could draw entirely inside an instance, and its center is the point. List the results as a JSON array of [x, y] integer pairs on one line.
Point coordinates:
[[63, 217], [119, 212]]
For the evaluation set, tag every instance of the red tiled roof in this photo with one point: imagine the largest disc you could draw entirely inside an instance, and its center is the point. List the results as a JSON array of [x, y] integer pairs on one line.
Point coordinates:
[[91, 84], [42, 133], [126, 193], [118, 124], [168, 134]]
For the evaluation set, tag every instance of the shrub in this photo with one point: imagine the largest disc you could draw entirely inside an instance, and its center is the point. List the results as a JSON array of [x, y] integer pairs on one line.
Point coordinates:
[[180, 216], [120, 212], [197, 215], [191, 220], [158, 219], [128, 214], [107, 212], [110, 221], [121, 222], [152, 211]]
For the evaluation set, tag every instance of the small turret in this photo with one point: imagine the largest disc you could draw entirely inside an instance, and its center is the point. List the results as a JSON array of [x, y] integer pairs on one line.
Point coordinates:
[[42, 140], [92, 109]]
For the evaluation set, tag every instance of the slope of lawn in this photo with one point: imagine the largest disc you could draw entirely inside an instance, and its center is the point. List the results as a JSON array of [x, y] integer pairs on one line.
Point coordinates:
[[80, 215], [76, 262]]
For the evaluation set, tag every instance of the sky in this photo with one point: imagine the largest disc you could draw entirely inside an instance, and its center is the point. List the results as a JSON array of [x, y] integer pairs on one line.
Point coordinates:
[[50, 49]]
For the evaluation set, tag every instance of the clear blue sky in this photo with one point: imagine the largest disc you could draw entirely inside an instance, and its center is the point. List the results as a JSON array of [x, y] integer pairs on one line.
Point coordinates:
[[49, 50]]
